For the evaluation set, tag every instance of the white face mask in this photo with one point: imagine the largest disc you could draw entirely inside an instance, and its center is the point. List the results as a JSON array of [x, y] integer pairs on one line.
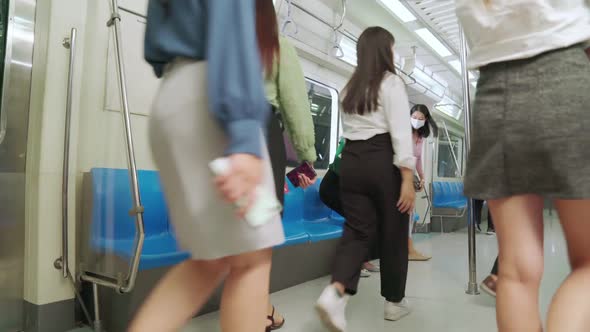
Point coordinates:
[[417, 124]]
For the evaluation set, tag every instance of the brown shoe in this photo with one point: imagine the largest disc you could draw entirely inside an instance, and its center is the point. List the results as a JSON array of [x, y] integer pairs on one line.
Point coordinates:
[[418, 257], [489, 285]]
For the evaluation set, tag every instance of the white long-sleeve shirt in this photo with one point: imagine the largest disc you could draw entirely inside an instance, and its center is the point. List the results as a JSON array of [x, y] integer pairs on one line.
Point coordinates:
[[391, 116], [505, 30]]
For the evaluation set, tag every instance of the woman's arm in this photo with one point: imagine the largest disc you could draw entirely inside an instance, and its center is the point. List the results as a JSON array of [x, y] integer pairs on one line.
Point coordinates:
[[419, 167], [294, 103], [396, 105], [236, 95]]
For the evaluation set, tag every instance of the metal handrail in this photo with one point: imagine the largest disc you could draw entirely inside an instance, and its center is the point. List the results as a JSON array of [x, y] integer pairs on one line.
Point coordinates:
[[7, 57], [63, 262], [338, 52], [336, 48], [289, 21], [128, 283], [342, 16], [452, 148]]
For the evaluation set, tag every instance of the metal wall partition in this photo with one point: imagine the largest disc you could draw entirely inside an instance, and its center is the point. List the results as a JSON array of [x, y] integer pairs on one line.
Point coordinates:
[[17, 24], [472, 285]]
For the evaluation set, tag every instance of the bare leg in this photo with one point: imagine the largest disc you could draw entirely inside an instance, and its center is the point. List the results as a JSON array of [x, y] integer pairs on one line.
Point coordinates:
[[245, 294], [340, 287], [178, 296], [519, 224], [411, 248], [570, 309], [415, 255]]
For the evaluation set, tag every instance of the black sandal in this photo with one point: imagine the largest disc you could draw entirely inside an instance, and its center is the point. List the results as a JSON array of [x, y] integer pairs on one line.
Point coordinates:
[[273, 325]]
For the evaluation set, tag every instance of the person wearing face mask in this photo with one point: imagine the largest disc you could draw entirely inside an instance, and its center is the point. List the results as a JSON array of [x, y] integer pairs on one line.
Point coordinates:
[[422, 123]]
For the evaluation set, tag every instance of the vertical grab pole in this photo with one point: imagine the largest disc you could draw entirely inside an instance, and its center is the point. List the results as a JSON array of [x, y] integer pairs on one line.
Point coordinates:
[[472, 288], [137, 209], [69, 43]]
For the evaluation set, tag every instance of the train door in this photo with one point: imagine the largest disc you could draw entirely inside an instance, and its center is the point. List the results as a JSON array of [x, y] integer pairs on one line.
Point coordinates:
[[16, 49]]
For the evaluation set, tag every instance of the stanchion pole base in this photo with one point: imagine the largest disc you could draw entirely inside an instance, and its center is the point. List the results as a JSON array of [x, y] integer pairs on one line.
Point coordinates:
[[472, 289]]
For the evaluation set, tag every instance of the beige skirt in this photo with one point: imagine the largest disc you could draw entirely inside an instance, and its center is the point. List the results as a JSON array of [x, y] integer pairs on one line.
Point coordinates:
[[184, 138]]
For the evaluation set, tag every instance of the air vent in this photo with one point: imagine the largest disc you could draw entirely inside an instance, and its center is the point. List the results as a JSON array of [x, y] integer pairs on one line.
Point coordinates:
[[440, 16]]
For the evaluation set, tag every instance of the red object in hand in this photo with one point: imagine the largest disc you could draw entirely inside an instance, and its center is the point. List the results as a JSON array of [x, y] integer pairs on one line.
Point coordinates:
[[286, 188], [305, 169]]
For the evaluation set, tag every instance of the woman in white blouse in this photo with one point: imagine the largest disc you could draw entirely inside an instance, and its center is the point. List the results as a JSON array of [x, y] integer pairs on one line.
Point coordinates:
[[376, 176]]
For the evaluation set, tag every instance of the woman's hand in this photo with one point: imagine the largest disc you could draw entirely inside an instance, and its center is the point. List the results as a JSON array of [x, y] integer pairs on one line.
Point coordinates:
[[238, 185], [305, 181], [422, 183], [407, 197]]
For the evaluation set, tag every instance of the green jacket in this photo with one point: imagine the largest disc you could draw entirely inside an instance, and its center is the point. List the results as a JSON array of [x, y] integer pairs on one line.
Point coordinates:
[[286, 90], [335, 167]]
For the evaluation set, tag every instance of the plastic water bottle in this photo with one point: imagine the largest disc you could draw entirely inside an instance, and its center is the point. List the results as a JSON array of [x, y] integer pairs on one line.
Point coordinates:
[[265, 206]]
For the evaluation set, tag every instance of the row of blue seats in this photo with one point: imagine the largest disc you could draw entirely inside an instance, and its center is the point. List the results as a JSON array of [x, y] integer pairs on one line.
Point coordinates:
[[448, 195], [306, 218]]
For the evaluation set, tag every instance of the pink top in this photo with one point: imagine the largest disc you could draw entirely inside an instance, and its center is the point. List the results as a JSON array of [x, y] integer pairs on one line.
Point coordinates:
[[418, 143]]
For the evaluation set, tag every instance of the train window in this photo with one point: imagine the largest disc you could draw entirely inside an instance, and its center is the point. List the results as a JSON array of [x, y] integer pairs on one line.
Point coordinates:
[[324, 110], [450, 156]]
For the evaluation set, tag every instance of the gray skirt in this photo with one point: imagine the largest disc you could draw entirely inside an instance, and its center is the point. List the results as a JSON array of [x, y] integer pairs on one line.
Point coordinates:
[[531, 128], [184, 138]]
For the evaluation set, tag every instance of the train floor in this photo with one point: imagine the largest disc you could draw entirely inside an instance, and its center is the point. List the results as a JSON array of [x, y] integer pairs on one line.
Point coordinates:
[[435, 289]]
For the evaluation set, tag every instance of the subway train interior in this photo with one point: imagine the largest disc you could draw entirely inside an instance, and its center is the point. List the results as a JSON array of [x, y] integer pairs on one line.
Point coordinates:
[[84, 228]]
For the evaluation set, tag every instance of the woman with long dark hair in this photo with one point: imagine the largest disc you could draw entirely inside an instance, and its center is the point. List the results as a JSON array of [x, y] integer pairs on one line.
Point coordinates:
[[287, 94], [210, 104], [376, 176], [422, 124]]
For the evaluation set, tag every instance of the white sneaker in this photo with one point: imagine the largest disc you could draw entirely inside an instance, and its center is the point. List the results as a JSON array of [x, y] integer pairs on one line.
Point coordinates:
[[396, 311], [331, 307], [365, 273]]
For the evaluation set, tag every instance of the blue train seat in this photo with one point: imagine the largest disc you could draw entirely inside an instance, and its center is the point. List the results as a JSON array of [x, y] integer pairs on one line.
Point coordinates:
[[113, 228], [293, 216], [448, 195], [317, 217], [337, 218]]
